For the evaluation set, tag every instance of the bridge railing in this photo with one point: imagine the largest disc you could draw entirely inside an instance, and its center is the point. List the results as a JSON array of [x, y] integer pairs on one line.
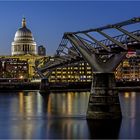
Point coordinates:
[[123, 38]]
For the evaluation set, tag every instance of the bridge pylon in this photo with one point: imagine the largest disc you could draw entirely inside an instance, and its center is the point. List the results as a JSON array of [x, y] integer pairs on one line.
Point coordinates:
[[104, 99]]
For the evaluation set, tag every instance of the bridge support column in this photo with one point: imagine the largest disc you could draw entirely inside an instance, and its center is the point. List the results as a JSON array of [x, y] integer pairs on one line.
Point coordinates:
[[44, 86], [104, 99]]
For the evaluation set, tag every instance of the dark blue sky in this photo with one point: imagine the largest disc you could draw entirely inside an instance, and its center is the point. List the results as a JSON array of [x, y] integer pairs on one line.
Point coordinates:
[[48, 20]]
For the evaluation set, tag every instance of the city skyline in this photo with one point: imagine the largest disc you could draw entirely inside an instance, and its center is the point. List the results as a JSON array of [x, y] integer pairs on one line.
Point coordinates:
[[48, 20]]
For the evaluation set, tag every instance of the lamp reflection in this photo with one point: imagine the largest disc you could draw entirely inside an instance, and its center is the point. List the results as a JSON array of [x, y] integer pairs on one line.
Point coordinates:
[[31, 104], [21, 102], [26, 103], [67, 128], [67, 104], [38, 116], [126, 94], [128, 104]]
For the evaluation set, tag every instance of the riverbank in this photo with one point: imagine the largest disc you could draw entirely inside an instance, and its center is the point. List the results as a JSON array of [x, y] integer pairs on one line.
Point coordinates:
[[86, 86], [20, 86], [77, 86]]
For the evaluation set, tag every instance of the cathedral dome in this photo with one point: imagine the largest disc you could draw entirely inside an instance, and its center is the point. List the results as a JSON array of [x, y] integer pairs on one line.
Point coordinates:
[[23, 33], [23, 41]]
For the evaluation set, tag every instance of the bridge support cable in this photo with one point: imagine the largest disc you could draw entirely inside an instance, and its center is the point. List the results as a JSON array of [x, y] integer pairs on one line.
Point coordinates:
[[87, 46], [128, 33], [62, 45], [98, 42], [68, 55], [113, 40], [72, 51], [88, 43], [65, 53]]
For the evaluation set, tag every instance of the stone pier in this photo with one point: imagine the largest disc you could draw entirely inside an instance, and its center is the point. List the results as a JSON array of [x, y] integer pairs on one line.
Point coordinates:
[[104, 99], [44, 86]]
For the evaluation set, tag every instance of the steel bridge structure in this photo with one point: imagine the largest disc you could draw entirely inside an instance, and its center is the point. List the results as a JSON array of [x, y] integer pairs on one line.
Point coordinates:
[[103, 56]]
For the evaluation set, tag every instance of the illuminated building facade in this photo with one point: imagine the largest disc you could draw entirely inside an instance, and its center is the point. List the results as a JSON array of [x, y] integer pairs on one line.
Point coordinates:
[[128, 70], [13, 68], [19, 61], [80, 73]]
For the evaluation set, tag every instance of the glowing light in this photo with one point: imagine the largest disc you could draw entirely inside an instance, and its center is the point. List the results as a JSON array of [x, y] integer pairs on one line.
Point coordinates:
[[21, 77], [126, 95]]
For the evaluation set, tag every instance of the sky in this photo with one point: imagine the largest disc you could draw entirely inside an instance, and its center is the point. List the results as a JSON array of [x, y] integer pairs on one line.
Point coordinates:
[[48, 20]]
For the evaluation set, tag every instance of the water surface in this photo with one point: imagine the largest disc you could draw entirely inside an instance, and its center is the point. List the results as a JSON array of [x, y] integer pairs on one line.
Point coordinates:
[[28, 115]]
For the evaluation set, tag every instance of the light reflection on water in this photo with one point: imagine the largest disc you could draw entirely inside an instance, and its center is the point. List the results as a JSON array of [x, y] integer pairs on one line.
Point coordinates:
[[128, 103], [68, 104], [29, 115]]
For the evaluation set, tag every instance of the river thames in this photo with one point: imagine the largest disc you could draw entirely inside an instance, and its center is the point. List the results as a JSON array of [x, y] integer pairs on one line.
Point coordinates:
[[28, 115]]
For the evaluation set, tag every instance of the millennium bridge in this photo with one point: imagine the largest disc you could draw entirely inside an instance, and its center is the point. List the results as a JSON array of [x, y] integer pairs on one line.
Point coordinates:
[[103, 56]]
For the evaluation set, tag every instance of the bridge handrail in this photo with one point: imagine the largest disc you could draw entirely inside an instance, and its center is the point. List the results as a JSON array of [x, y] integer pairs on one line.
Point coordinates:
[[123, 38]]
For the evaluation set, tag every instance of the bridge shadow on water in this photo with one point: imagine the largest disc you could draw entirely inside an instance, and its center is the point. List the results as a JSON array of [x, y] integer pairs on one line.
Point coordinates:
[[104, 129]]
